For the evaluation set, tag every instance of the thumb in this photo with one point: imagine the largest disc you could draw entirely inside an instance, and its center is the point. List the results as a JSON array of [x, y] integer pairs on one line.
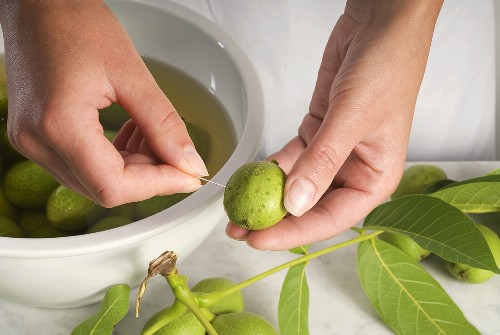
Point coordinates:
[[328, 147], [159, 123]]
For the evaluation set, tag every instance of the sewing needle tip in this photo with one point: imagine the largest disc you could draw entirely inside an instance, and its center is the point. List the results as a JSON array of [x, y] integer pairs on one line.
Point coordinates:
[[213, 182]]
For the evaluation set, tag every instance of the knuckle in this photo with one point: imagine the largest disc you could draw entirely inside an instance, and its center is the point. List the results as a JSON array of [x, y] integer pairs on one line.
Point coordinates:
[[325, 159], [107, 197], [49, 124], [387, 183], [326, 215], [20, 139], [15, 137], [170, 120], [329, 221], [309, 127]]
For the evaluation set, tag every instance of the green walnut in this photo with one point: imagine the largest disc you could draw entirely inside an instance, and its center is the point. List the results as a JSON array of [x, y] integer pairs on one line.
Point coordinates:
[[471, 275], [49, 232], [9, 228], [107, 223], [156, 204], [417, 178], [230, 304], [253, 198], [406, 244], [3, 101], [28, 185], [34, 224], [186, 324], [113, 117], [244, 323], [7, 209], [126, 210], [110, 134], [7, 151], [71, 211]]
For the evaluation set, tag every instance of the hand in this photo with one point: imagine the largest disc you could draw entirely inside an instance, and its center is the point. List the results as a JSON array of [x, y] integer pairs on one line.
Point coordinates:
[[350, 151], [65, 61]]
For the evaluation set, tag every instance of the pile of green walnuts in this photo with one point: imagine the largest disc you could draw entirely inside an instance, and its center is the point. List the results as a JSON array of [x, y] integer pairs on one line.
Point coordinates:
[[227, 316]]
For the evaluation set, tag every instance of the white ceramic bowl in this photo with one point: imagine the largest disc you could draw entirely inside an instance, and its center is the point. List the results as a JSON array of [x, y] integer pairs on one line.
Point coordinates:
[[75, 271]]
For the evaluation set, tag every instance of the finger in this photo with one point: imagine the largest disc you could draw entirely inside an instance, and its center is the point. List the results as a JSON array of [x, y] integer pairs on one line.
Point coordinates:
[[138, 158], [122, 137], [146, 150], [236, 233], [99, 166], [309, 127], [324, 155], [134, 141], [287, 156], [158, 120]]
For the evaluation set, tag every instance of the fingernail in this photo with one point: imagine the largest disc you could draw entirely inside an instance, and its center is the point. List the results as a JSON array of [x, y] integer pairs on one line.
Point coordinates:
[[299, 196], [190, 189], [195, 161]]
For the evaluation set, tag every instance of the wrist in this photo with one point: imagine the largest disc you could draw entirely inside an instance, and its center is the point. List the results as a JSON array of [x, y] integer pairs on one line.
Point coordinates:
[[11, 9], [382, 11], [406, 27], [7, 8]]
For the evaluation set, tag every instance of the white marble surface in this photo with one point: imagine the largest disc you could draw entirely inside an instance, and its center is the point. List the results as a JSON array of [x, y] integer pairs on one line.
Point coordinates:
[[337, 303]]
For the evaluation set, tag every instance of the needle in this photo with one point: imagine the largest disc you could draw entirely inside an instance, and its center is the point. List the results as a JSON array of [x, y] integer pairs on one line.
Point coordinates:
[[213, 182]]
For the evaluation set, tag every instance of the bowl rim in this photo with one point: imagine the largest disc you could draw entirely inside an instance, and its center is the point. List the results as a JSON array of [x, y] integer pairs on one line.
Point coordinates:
[[188, 208]]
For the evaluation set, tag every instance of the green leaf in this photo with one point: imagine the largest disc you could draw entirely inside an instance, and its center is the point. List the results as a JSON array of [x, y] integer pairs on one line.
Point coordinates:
[[113, 308], [405, 295], [477, 195], [302, 250], [438, 186], [493, 172], [436, 226], [293, 306]]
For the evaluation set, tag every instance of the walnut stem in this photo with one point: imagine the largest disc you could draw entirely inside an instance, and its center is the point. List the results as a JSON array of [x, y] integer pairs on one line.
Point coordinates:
[[163, 265]]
